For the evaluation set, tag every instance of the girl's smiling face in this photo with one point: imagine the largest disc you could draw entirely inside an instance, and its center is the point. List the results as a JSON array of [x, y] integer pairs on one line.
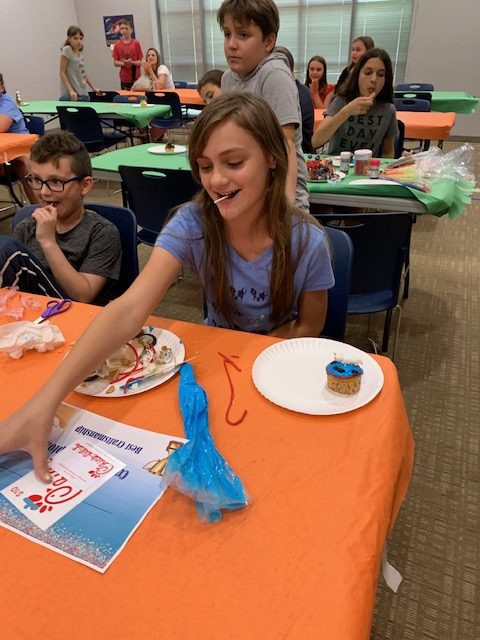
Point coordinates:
[[371, 79], [358, 49], [233, 164], [316, 70], [151, 58]]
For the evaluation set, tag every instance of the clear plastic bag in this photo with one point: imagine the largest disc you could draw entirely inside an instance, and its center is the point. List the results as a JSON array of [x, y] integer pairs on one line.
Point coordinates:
[[13, 303], [197, 469]]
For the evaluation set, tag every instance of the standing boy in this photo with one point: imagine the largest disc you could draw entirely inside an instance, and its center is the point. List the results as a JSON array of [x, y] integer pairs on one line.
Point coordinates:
[[127, 54], [62, 249], [250, 30]]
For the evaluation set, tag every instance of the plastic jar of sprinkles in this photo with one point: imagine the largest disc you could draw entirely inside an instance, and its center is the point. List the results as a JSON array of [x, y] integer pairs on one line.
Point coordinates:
[[345, 158], [361, 159], [374, 169]]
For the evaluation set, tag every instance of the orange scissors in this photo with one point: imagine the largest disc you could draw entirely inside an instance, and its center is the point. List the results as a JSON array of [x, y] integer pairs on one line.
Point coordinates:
[[53, 308]]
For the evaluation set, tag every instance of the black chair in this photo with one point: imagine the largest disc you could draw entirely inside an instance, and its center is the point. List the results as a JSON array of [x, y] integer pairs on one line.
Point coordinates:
[[341, 249], [102, 96], [172, 99], [381, 244], [126, 224], [84, 123], [35, 124], [414, 86], [411, 104], [129, 98], [399, 140], [180, 84], [418, 95], [152, 194]]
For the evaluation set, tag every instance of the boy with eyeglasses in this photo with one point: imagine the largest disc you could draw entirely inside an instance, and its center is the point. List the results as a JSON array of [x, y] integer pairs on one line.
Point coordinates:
[[62, 249]]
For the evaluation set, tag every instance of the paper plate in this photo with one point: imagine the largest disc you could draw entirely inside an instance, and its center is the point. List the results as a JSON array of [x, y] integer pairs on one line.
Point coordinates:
[[292, 375], [340, 177], [137, 105], [160, 148], [102, 388]]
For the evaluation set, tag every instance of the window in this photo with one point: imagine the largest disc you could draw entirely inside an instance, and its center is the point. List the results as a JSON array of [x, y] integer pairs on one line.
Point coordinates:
[[191, 40]]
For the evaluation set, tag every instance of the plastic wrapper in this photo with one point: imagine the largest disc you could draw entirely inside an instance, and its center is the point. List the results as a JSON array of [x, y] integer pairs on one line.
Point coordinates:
[[18, 337], [13, 303], [197, 469]]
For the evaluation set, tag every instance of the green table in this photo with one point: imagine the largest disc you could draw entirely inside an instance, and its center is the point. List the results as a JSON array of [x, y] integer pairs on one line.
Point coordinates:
[[446, 196], [137, 116], [456, 101]]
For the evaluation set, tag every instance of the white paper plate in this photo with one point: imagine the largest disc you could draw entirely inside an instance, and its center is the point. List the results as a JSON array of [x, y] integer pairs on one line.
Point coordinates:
[[292, 374], [160, 148], [137, 105], [98, 387], [340, 175]]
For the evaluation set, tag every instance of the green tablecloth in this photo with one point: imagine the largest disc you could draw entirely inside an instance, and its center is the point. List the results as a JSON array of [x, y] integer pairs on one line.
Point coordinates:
[[139, 156], [137, 116], [456, 101], [446, 197]]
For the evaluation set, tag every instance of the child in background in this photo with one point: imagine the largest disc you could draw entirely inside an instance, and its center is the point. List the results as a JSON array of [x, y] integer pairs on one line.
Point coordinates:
[[210, 85], [316, 81], [127, 54], [155, 75], [363, 115], [359, 46], [11, 121], [250, 30], [264, 264], [73, 77]]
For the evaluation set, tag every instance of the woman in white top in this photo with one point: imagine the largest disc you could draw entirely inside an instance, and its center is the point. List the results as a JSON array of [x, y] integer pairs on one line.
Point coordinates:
[[155, 75], [73, 77]]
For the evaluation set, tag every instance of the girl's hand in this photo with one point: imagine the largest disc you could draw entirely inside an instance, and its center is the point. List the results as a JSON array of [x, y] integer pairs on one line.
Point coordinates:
[[73, 96], [314, 86], [360, 105], [28, 430], [147, 66]]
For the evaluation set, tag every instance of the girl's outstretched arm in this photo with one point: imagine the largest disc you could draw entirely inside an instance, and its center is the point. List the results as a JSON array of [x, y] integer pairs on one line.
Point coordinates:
[[28, 428], [312, 311]]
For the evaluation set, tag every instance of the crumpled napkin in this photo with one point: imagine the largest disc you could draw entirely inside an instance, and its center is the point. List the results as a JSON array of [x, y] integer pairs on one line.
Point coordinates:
[[17, 337]]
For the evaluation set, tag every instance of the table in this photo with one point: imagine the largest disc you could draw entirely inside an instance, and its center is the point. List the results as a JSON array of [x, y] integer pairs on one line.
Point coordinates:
[[446, 196], [456, 101], [188, 97], [420, 125], [300, 562], [14, 145], [137, 116]]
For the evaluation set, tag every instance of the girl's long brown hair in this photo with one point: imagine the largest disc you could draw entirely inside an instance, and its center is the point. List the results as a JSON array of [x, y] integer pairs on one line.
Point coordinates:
[[253, 115]]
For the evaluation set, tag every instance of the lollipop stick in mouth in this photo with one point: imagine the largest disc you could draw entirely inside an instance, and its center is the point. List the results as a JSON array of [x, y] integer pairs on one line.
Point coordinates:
[[222, 198]]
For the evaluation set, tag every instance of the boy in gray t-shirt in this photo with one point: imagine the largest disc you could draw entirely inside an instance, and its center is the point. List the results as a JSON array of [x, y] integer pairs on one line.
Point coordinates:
[[250, 32], [62, 250]]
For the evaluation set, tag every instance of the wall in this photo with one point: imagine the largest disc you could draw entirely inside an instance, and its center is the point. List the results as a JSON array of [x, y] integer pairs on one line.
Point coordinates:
[[31, 37], [443, 50]]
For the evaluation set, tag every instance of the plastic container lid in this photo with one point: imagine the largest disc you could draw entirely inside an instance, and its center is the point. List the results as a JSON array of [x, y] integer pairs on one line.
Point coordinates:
[[375, 162], [362, 154]]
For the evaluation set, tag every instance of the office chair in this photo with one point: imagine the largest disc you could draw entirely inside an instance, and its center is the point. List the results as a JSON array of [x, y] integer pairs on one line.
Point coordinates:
[[411, 104], [381, 244], [34, 124], [341, 249], [418, 95], [126, 224], [151, 194], [85, 124], [171, 99]]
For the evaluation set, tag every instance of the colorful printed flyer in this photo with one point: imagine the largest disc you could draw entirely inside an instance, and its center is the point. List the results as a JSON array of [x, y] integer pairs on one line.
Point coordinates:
[[106, 478]]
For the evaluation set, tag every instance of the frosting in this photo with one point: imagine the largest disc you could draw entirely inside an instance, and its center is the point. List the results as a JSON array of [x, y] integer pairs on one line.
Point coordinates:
[[341, 369]]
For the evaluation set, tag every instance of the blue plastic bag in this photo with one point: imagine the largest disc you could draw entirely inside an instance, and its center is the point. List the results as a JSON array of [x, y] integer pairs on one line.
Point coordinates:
[[197, 469]]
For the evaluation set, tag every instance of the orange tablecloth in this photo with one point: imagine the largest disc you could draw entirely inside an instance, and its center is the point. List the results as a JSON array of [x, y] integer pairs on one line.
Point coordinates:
[[300, 562], [430, 125], [187, 96], [14, 145]]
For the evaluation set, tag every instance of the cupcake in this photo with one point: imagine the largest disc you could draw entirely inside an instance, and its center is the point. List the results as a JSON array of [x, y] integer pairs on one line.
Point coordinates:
[[344, 376]]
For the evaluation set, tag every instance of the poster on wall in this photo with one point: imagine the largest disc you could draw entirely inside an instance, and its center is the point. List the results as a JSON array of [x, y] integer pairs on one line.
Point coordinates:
[[111, 25]]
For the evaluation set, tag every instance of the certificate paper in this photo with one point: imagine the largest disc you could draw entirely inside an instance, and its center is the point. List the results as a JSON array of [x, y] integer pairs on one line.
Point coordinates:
[[106, 478]]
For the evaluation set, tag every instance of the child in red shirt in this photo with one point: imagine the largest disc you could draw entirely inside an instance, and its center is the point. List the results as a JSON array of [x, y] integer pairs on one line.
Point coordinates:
[[127, 54]]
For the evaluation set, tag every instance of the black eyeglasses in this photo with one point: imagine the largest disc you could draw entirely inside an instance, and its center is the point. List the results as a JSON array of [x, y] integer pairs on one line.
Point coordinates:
[[53, 185]]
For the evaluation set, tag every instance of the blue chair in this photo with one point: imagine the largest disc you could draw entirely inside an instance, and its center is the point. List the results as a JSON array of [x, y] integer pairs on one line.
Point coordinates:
[[417, 95], [84, 123], [381, 244], [125, 221], [35, 124], [411, 104], [130, 98], [172, 99], [152, 194], [414, 86], [341, 249], [180, 84]]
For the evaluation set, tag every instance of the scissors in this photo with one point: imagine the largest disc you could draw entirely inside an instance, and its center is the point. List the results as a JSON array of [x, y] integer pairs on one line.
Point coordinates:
[[53, 308]]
